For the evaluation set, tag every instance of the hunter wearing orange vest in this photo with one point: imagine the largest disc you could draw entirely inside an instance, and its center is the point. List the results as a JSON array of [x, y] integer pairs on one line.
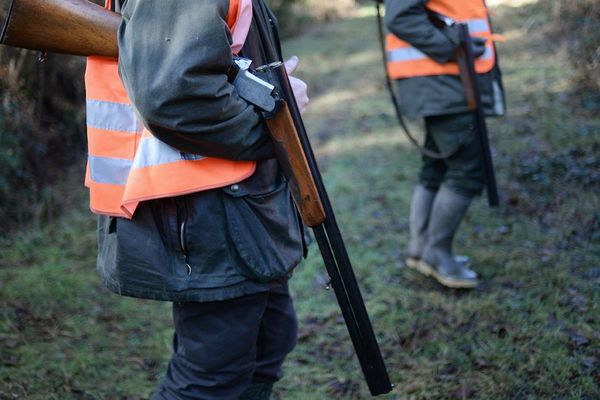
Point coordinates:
[[421, 58], [192, 205]]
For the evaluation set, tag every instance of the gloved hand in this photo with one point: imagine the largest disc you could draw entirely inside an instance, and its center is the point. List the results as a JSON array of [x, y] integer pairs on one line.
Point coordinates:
[[452, 32], [478, 46], [298, 85]]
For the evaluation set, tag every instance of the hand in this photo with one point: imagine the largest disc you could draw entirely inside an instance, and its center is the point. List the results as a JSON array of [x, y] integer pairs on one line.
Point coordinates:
[[298, 86], [478, 46]]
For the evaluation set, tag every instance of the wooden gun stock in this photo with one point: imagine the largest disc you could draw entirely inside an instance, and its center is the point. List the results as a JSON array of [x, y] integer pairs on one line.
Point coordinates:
[[295, 166], [76, 27]]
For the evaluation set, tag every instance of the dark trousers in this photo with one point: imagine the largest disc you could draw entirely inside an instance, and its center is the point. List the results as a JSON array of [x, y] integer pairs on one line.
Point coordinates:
[[222, 347], [463, 170]]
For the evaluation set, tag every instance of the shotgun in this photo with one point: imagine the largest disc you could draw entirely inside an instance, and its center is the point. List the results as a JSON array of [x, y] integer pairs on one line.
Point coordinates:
[[468, 76], [288, 128]]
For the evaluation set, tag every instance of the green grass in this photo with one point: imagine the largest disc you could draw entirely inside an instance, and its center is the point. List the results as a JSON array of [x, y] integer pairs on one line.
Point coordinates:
[[532, 330]]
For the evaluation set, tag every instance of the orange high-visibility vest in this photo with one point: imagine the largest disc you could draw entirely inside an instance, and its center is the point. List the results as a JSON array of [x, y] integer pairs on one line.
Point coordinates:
[[126, 163], [405, 61]]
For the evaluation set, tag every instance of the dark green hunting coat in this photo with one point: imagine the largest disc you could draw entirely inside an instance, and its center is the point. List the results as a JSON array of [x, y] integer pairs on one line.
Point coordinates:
[[441, 94], [215, 244]]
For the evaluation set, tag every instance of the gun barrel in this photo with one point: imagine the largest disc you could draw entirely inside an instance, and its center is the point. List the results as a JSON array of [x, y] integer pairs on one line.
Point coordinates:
[[331, 244], [339, 267], [466, 62], [76, 27]]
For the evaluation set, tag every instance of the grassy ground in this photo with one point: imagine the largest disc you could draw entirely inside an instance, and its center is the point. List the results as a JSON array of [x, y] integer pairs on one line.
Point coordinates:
[[532, 330]]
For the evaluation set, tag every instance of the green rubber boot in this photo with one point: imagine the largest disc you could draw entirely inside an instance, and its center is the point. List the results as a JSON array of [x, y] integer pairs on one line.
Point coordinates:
[[420, 208], [437, 259]]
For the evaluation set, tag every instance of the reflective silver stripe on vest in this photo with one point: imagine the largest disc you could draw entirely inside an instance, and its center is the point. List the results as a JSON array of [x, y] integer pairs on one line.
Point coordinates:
[[413, 54], [114, 171], [405, 54], [112, 116], [152, 152], [478, 25]]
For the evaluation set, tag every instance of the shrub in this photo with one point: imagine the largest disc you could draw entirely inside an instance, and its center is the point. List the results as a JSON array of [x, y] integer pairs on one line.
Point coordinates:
[[41, 130], [578, 20], [293, 15]]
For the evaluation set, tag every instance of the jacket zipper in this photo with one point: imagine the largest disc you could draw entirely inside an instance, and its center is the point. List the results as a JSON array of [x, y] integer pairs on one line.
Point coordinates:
[[182, 209], [184, 248]]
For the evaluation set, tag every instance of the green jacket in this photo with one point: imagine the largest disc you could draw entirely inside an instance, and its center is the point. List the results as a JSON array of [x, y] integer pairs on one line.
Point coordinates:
[[440, 94], [216, 244]]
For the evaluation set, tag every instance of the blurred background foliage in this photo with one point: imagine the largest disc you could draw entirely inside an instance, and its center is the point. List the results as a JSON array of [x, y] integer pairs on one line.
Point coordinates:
[[578, 21], [42, 130], [42, 115]]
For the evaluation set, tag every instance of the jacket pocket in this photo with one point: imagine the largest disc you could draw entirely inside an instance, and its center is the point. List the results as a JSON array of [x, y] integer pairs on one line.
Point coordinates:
[[265, 232]]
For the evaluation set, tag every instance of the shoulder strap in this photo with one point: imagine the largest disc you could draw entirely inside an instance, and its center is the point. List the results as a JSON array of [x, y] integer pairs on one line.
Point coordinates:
[[264, 14], [232, 14], [109, 5]]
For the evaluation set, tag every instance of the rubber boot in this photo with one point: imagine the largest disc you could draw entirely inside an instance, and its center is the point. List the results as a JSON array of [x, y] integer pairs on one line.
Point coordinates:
[[257, 391], [447, 212], [420, 207]]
